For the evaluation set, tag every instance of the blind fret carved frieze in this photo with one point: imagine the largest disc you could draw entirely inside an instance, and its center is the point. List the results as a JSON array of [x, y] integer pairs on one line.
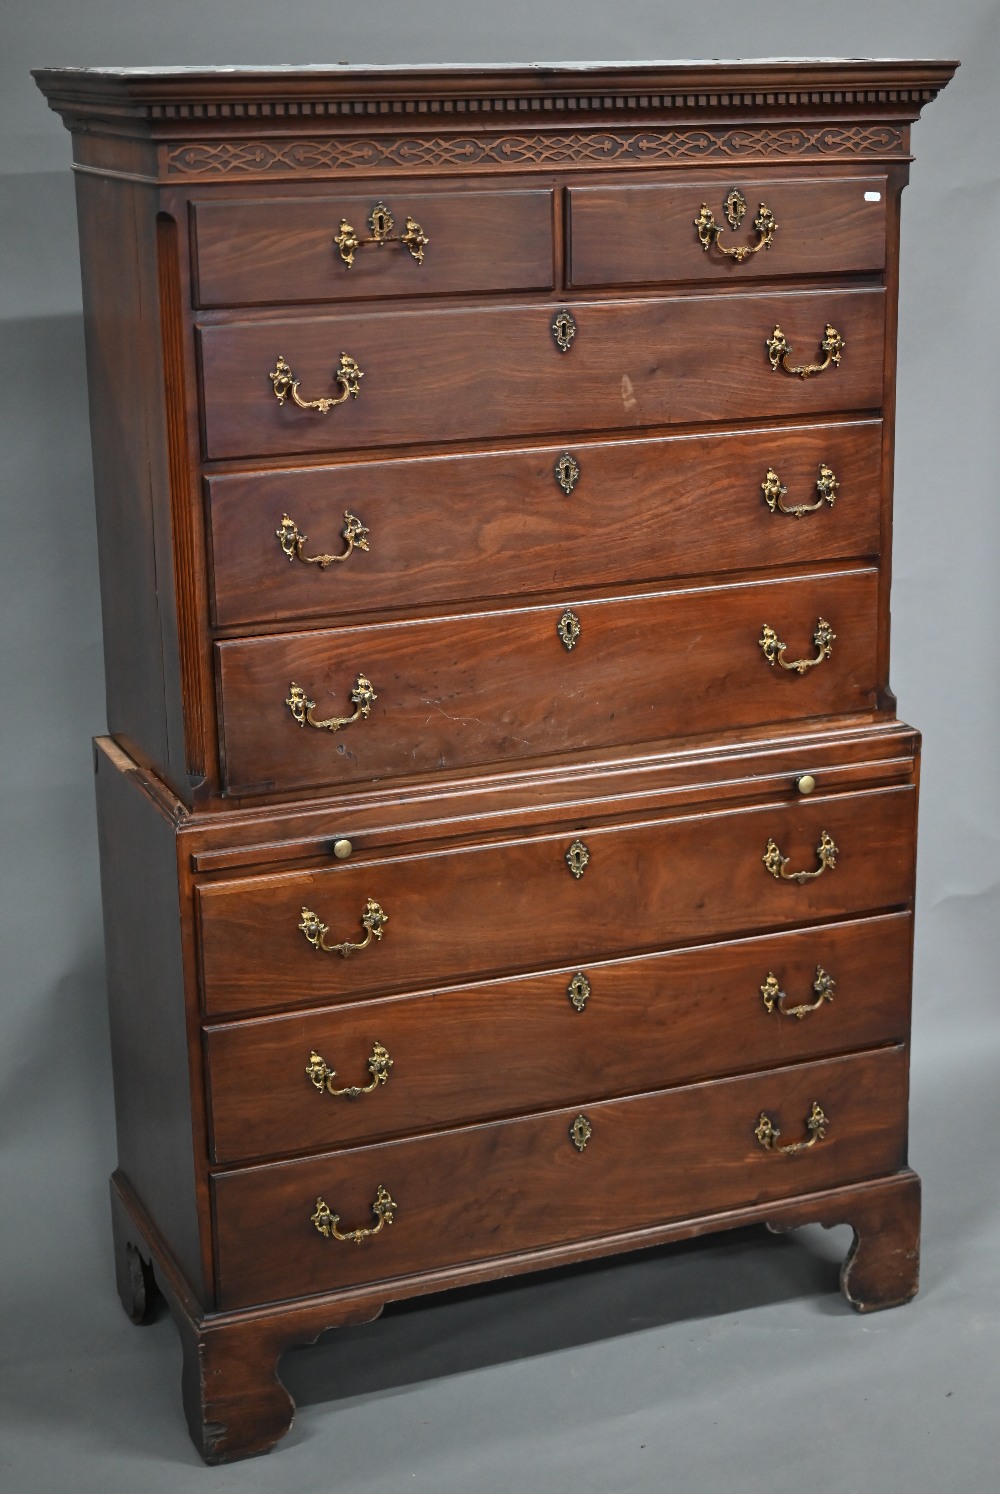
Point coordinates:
[[237, 158]]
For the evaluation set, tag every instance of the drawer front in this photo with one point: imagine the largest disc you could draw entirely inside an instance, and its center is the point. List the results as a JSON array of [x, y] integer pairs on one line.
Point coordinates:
[[517, 905], [469, 527], [285, 249], [495, 687], [497, 372], [647, 235], [503, 1047], [498, 1190]]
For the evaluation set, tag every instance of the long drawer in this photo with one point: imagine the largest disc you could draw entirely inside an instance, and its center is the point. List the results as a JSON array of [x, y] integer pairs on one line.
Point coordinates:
[[549, 900], [496, 1190], [498, 372], [290, 1084], [286, 544], [454, 692]]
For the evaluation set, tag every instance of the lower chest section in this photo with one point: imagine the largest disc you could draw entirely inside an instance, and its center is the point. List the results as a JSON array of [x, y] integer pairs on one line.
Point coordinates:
[[460, 1041]]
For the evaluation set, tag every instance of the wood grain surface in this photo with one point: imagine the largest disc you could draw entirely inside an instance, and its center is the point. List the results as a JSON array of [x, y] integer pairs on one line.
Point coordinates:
[[501, 686], [161, 1143], [255, 252], [469, 526], [645, 234], [500, 1047], [514, 905], [491, 1190], [496, 372]]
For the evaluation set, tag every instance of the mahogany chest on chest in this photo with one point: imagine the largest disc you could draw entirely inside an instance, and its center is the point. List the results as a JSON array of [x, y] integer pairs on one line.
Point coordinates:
[[507, 834]]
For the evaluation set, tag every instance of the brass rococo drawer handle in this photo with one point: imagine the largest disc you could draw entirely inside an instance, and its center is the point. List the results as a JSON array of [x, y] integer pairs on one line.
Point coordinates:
[[291, 540], [774, 650], [322, 1076], [301, 707], [735, 207], [779, 350], [776, 864], [373, 921], [774, 490], [767, 1133], [326, 1221], [380, 226], [347, 374], [774, 996]]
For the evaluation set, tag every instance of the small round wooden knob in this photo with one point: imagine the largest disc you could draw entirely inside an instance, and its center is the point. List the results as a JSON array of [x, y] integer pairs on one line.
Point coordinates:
[[342, 849], [805, 785]]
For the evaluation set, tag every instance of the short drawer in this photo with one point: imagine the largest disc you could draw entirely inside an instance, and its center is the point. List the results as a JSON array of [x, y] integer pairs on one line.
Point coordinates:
[[547, 901], [290, 1084], [349, 539], [491, 1191], [497, 372], [279, 250], [455, 692], [657, 233]]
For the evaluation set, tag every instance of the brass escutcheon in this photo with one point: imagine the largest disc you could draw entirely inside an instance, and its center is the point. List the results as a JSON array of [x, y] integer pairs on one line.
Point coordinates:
[[774, 996], [578, 990], [774, 650], [563, 330], [577, 857], [735, 206], [373, 921], [326, 1221], [291, 540], [580, 1132], [767, 1133], [380, 226], [774, 490], [779, 350], [567, 471], [322, 1076], [301, 707], [568, 628], [826, 854], [285, 385]]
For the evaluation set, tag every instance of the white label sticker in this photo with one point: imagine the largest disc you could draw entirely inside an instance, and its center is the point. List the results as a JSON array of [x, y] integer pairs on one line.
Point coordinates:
[[873, 197]]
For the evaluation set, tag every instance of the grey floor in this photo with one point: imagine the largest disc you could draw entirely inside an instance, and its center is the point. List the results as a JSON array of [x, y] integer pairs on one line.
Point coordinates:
[[730, 1364]]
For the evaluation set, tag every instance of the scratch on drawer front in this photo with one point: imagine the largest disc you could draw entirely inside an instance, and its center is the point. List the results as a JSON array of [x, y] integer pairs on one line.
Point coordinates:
[[629, 400], [458, 720]]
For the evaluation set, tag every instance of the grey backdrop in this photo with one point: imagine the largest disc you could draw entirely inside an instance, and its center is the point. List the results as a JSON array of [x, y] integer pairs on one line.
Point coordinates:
[[726, 1366]]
